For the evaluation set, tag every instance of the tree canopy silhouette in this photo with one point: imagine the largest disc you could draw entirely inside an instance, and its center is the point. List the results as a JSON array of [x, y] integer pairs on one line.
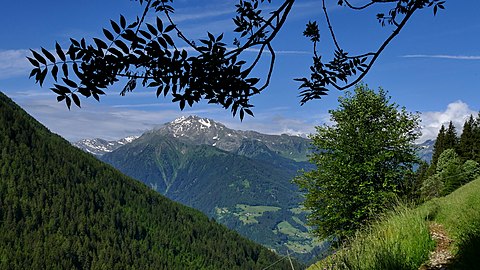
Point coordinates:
[[160, 56]]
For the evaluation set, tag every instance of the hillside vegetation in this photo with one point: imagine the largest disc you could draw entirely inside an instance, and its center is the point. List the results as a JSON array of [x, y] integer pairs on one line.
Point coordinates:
[[61, 208], [401, 239]]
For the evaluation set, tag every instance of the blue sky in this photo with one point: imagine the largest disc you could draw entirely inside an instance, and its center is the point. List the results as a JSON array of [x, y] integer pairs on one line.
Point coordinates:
[[433, 66]]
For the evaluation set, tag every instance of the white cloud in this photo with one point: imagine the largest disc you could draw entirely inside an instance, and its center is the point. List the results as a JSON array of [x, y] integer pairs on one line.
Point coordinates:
[[279, 121], [183, 16], [94, 120], [443, 56], [457, 112], [14, 63]]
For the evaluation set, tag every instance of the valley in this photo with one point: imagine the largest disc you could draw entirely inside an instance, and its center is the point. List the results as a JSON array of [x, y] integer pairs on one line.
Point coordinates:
[[242, 179]]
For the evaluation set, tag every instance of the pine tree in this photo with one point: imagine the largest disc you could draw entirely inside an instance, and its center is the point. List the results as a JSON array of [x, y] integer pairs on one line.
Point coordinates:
[[450, 140], [467, 140], [438, 148], [476, 139]]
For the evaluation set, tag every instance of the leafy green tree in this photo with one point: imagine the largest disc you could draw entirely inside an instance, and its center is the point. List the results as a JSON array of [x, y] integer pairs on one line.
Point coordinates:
[[362, 159], [432, 187], [449, 169], [152, 54], [415, 187], [470, 170]]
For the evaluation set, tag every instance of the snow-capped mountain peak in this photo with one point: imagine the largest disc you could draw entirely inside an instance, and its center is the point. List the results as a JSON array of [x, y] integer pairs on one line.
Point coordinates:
[[100, 147], [190, 126]]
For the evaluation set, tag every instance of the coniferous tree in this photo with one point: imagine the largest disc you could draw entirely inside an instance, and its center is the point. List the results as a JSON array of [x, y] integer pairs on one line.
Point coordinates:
[[467, 140], [476, 140], [438, 148], [450, 140]]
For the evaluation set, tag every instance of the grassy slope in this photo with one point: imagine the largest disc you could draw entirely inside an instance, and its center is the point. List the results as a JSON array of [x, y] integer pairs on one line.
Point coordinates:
[[401, 239]]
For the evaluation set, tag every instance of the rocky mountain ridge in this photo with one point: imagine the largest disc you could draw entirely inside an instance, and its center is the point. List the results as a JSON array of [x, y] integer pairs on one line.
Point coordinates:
[[197, 130], [99, 147]]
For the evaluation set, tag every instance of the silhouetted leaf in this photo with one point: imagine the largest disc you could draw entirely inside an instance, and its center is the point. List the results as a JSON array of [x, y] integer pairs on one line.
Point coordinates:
[[115, 52], [152, 29], [145, 34], [159, 25], [33, 62], [248, 111], [115, 27], [122, 46], [42, 76], [75, 42], [55, 72], [168, 39], [76, 100], [60, 98], [100, 43], [34, 72], [59, 51], [62, 89], [38, 57], [70, 83], [107, 34], [48, 55], [169, 28], [123, 23], [68, 101], [65, 70]]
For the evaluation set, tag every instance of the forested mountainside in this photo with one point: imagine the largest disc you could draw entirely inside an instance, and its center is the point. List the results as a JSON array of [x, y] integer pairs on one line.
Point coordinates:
[[61, 208], [247, 188]]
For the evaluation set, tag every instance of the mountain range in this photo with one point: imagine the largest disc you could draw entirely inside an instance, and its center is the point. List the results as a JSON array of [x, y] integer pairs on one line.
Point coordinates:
[[61, 208], [231, 141], [206, 131], [240, 178]]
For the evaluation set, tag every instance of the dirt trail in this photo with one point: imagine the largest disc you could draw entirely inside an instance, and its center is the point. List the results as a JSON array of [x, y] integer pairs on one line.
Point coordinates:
[[441, 257]]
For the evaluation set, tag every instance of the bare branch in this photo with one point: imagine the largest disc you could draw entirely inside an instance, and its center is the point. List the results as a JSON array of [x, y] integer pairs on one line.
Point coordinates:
[[270, 70], [286, 8], [379, 51], [179, 32], [368, 4], [145, 11], [332, 33]]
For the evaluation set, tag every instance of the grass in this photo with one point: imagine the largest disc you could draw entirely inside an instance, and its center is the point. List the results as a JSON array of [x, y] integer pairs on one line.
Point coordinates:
[[286, 228], [459, 212], [401, 240], [298, 210], [298, 241], [249, 213]]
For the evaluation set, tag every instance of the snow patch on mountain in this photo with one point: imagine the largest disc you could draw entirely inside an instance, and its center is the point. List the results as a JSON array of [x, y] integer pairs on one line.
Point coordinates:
[[100, 147]]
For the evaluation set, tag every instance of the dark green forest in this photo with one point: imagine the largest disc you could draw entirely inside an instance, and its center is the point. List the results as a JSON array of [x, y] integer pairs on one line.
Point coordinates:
[[61, 208]]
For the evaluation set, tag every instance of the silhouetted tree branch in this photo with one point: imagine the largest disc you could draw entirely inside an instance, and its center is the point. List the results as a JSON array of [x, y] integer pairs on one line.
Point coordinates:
[[150, 54]]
